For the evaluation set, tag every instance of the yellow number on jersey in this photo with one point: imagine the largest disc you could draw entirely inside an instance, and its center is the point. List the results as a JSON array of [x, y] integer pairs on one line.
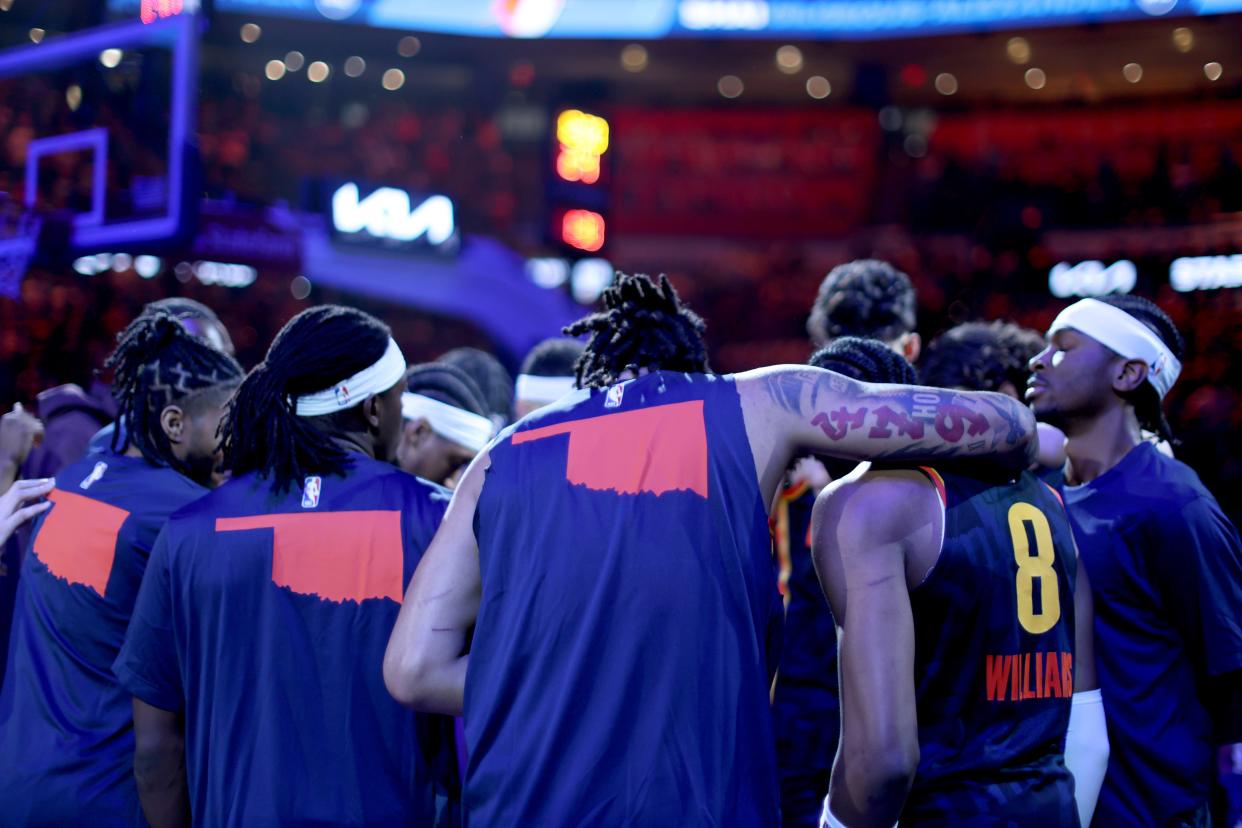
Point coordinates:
[[1034, 566]]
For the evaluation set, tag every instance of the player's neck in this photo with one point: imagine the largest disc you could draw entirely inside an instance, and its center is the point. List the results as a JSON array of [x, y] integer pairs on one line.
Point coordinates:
[[355, 442], [1094, 446]]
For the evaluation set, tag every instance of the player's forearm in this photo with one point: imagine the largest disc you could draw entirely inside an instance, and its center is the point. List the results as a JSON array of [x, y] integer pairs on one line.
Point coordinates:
[[159, 769], [841, 417]]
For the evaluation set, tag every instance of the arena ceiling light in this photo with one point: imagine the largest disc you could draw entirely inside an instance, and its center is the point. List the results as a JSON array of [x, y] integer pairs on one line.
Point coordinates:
[[1213, 71], [634, 58], [818, 87], [251, 32], [730, 86], [789, 60]]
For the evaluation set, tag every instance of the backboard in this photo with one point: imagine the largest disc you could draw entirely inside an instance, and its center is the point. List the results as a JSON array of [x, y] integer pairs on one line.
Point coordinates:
[[97, 130]]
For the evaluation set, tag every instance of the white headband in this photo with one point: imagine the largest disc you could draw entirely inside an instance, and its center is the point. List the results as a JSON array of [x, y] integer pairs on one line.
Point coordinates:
[[543, 389], [466, 429], [1115, 329], [376, 379]]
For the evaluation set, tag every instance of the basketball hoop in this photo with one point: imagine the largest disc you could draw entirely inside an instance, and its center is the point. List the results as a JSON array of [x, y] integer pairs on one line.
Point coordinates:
[[19, 240]]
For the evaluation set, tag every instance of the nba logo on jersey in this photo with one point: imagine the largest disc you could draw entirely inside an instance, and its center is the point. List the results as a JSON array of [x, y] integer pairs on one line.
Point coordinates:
[[310, 492], [615, 394], [342, 397], [95, 474]]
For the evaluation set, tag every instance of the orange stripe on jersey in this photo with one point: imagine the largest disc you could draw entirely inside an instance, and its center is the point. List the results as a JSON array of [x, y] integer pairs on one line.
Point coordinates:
[[336, 556], [935, 477], [656, 450], [77, 540], [1056, 494]]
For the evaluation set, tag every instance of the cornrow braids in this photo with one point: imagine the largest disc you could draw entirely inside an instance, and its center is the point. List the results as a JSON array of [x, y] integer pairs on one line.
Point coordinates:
[[643, 325], [866, 360], [1148, 407], [448, 385], [158, 363], [314, 350]]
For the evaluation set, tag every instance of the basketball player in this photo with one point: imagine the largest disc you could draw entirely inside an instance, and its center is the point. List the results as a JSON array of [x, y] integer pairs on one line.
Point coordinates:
[[871, 299], [993, 356], [806, 710], [1165, 563], [943, 633], [547, 374], [254, 651], [66, 726], [868, 298], [618, 565], [446, 423]]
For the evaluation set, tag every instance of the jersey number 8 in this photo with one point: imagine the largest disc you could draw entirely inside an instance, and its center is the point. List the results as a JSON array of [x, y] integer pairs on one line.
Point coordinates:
[[1034, 568]]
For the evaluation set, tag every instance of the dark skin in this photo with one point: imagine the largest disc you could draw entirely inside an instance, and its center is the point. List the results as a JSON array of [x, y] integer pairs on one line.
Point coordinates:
[[159, 740], [425, 454], [876, 536], [789, 411]]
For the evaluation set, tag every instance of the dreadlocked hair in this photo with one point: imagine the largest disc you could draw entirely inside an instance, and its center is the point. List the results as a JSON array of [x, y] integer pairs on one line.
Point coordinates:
[[313, 351], [158, 363], [643, 325], [866, 360], [1146, 401], [981, 356]]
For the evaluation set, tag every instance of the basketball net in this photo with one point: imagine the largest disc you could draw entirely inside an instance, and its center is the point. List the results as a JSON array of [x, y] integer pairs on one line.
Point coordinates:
[[19, 238]]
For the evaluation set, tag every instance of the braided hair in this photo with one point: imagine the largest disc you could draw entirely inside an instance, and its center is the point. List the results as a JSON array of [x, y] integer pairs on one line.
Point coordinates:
[[158, 363], [447, 384], [866, 298], [1146, 400], [866, 360], [553, 357], [314, 350], [643, 325], [981, 356], [489, 376]]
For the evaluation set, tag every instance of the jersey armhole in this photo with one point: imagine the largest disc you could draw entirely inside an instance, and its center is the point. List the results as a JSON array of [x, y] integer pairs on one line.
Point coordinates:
[[942, 493]]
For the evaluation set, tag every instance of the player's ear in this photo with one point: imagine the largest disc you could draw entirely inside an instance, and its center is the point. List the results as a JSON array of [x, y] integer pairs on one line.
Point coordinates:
[[1129, 375], [172, 421], [416, 431], [910, 346]]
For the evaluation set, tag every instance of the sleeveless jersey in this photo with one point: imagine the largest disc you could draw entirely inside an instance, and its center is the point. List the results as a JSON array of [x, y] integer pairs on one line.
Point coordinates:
[[994, 636], [264, 617], [619, 669], [66, 725]]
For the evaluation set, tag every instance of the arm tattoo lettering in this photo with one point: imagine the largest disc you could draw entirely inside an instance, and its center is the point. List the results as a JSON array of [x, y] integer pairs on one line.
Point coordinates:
[[836, 424]]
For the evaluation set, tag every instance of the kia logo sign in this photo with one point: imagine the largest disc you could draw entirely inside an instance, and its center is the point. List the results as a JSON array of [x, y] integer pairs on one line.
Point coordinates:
[[393, 215], [1092, 278]]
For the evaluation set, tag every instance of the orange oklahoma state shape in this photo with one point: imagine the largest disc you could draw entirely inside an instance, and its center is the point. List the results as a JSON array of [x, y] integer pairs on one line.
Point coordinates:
[[336, 556], [77, 540], [657, 450]]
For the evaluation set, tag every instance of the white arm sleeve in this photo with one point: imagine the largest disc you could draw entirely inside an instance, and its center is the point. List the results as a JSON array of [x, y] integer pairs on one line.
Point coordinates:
[[1086, 751]]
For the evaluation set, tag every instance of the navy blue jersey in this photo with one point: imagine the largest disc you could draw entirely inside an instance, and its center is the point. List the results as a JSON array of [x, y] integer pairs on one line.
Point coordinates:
[[994, 635], [619, 669], [1166, 572], [66, 725], [263, 617], [806, 705]]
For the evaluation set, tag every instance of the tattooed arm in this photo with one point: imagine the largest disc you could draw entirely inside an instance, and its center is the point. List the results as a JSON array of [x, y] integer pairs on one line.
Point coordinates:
[[790, 410]]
